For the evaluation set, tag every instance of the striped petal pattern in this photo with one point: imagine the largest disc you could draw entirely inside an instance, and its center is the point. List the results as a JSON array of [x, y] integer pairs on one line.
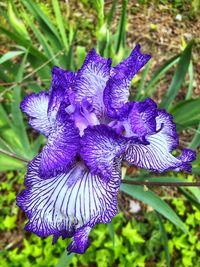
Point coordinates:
[[64, 204], [36, 106], [91, 80], [91, 127], [116, 92], [156, 156]]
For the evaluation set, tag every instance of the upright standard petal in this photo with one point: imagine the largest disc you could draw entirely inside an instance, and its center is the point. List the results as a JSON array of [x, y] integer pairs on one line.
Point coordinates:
[[62, 146], [100, 145], [61, 90], [35, 106], [157, 156], [91, 80], [116, 93], [69, 204]]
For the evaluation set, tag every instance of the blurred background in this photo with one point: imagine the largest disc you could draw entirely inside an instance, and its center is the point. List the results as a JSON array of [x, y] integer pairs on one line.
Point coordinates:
[[156, 226]]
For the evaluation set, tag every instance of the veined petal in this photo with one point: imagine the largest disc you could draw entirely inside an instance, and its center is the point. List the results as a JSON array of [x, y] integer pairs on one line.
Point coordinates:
[[157, 155], [100, 145], [141, 120], [61, 148], [35, 106], [80, 241], [91, 81], [61, 90], [116, 93], [68, 204]]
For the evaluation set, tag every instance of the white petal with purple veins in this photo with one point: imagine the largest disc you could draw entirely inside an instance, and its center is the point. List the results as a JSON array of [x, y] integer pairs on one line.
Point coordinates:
[[69, 201], [91, 81], [157, 155], [35, 106]]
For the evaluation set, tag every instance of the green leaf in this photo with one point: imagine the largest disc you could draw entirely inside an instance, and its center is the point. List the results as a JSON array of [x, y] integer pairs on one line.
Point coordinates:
[[151, 86], [41, 39], [81, 54], [131, 234], [142, 80], [10, 55], [41, 17], [18, 123], [110, 16], [111, 231], [153, 200], [65, 259], [186, 113], [8, 163], [60, 23], [121, 35], [196, 139], [164, 239], [25, 43], [17, 25], [178, 77], [193, 200], [190, 87]]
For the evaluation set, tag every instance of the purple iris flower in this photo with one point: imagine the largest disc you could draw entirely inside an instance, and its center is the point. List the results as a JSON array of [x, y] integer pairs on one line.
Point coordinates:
[[91, 128]]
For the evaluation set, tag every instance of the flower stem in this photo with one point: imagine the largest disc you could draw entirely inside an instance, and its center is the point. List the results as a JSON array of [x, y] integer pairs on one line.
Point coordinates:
[[12, 155], [149, 183]]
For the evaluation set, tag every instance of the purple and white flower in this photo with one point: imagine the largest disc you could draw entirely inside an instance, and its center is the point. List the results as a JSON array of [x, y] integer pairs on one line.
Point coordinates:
[[91, 128]]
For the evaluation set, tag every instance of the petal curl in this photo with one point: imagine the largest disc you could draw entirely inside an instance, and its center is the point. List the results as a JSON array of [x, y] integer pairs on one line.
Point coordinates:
[[156, 156], [100, 145], [65, 204], [91, 81], [116, 93], [35, 106], [62, 146], [141, 120]]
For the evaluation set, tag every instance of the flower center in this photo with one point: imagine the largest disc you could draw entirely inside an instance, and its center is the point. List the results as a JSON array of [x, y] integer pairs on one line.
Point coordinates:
[[83, 115]]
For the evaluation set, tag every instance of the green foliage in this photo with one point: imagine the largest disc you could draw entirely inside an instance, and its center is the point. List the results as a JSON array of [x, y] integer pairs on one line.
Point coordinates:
[[42, 36], [137, 241]]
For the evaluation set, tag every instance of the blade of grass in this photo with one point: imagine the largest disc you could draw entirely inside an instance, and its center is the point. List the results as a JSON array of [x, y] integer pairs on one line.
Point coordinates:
[[153, 200], [25, 43], [186, 113], [10, 55], [16, 24], [142, 80], [60, 23], [151, 86], [190, 197], [164, 239], [190, 87], [178, 77], [65, 259], [41, 17], [121, 35], [196, 139], [41, 39], [111, 13], [111, 231], [8, 163]]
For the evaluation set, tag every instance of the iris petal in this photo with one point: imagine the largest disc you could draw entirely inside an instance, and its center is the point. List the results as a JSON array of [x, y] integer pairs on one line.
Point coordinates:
[[64, 204], [116, 93], [91, 81], [141, 119], [62, 146], [61, 90], [35, 106], [100, 145], [157, 155]]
